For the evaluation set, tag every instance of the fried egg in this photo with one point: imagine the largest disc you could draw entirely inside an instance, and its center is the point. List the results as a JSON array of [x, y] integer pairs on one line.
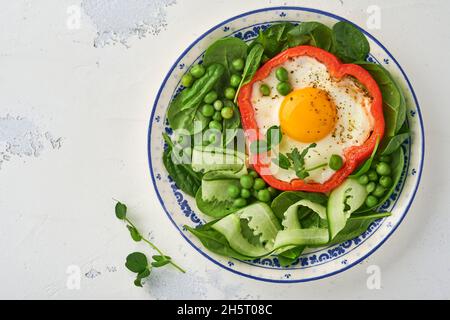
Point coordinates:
[[333, 113]]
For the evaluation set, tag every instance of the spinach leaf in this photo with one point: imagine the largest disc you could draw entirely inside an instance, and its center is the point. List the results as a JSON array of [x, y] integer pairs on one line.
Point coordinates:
[[313, 33], [288, 257], [397, 165], [215, 242], [355, 226], [183, 112], [182, 174], [394, 103], [391, 144], [285, 199], [366, 165], [274, 39], [251, 66], [223, 52], [350, 44]]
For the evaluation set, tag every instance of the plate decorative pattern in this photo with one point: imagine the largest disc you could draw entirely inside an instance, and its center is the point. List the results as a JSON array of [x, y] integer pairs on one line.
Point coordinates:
[[316, 263]]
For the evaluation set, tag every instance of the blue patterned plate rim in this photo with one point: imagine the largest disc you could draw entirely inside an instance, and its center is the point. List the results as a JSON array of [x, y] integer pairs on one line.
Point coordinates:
[[288, 8]]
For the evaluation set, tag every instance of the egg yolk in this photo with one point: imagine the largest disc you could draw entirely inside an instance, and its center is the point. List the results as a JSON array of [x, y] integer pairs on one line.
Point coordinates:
[[307, 115]]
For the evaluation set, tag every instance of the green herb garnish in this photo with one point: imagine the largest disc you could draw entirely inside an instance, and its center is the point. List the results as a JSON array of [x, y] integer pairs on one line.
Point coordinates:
[[137, 261]]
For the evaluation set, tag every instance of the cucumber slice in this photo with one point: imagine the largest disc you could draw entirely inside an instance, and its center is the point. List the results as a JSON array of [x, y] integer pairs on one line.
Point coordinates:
[[230, 227], [213, 159], [344, 200], [299, 237], [262, 221], [291, 221]]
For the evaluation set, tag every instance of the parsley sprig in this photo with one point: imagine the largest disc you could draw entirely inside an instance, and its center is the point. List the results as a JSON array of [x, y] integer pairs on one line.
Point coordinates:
[[298, 161], [137, 261]]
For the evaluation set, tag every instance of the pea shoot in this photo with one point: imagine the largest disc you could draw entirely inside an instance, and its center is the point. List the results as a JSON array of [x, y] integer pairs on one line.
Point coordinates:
[[137, 262]]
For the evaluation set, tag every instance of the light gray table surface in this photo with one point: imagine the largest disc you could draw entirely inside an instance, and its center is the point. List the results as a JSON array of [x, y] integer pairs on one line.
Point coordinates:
[[77, 81]]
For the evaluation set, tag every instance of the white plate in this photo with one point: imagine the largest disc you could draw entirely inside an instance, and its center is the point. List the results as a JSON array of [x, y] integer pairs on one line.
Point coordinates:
[[318, 263]]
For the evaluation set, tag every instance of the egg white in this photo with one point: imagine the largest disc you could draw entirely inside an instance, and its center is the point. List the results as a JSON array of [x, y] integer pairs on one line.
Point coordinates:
[[354, 120]]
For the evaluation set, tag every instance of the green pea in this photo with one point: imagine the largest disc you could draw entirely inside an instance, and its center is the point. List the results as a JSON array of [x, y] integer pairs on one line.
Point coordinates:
[[371, 187], [198, 71], [210, 97], [240, 203], [238, 64], [273, 191], [235, 80], [387, 159], [215, 125], [246, 181], [264, 195], [187, 80], [208, 110], [379, 191], [282, 74], [385, 181], [363, 180], [264, 89], [229, 93], [217, 116], [234, 191], [372, 175], [245, 193], [336, 162], [253, 173], [371, 201], [284, 88], [212, 138], [259, 184], [218, 105], [227, 113], [383, 169]]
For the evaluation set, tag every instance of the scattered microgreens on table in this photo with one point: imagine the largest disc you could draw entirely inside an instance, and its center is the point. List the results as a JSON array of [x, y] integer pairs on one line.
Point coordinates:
[[137, 262]]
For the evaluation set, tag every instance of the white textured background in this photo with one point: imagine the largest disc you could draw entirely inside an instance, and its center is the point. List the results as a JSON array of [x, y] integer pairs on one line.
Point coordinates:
[[74, 106]]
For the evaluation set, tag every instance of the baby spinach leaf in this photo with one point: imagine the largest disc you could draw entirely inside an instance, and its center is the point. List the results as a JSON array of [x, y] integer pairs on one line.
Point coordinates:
[[394, 103], [313, 33], [215, 242], [274, 39], [183, 111], [185, 178], [223, 52], [393, 143], [251, 66], [397, 165], [366, 165], [350, 44], [288, 257], [355, 226], [286, 199]]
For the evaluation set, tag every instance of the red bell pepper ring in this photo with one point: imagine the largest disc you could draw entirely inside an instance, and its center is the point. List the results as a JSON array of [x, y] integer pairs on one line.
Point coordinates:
[[353, 155]]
